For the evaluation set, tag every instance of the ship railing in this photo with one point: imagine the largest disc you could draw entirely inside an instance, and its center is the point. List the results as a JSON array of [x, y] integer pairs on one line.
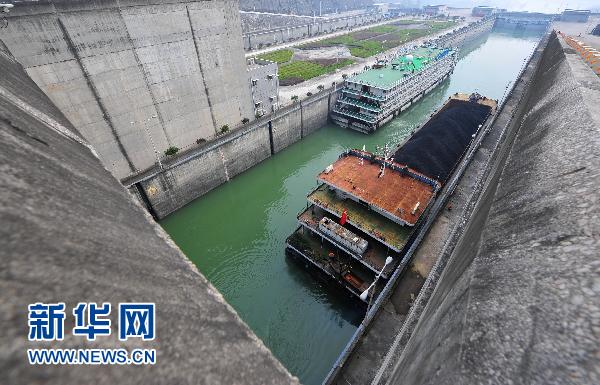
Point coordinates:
[[428, 79], [357, 115], [362, 93], [291, 243], [362, 258], [357, 103], [401, 98], [435, 185]]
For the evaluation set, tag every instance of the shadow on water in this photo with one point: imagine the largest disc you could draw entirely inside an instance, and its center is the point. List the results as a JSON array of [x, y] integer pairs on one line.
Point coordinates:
[[235, 234]]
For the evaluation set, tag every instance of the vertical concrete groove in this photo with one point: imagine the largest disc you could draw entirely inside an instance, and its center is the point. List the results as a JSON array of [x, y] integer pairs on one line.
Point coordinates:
[[271, 137], [210, 107], [146, 200], [105, 114], [146, 81], [329, 103], [301, 122]]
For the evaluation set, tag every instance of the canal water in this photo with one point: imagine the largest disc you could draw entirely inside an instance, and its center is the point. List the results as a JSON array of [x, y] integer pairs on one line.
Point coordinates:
[[235, 234]]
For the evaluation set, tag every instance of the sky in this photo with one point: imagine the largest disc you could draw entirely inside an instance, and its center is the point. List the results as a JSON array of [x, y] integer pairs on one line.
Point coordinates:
[[547, 6]]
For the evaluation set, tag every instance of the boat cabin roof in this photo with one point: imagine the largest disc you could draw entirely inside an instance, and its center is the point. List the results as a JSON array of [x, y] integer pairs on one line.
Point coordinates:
[[400, 192]]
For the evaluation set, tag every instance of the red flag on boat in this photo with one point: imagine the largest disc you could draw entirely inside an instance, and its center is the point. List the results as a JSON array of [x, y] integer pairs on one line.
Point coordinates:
[[343, 218]]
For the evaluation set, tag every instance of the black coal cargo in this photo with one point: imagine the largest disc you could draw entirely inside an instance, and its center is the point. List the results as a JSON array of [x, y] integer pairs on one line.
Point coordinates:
[[439, 145]]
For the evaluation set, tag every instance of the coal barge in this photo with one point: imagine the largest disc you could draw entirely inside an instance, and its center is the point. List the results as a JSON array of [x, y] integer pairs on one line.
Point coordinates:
[[360, 220], [372, 98]]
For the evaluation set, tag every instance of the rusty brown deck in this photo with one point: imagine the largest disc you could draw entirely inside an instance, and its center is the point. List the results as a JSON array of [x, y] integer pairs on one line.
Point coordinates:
[[394, 192]]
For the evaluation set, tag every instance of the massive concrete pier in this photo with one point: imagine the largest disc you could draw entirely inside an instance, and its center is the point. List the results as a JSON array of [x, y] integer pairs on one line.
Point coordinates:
[[136, 77], [71, 233]]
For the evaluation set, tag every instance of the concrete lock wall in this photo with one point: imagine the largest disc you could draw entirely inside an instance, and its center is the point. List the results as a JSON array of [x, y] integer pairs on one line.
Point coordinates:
[[175, 187], [71, 233], [136, 76], [245, 151], [517, 302], [315, 112], [466, 33], [303, 7], [260, 38], [163, 192], [287, 128]]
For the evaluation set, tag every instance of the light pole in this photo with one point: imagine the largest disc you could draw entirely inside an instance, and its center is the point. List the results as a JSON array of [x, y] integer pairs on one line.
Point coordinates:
[[365, 294]]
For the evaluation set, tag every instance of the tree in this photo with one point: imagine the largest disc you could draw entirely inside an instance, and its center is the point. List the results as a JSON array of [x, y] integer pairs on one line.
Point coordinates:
[[224, 129], [294, 98], [320, 87], [245, 120], [309, 93], [171, 150]]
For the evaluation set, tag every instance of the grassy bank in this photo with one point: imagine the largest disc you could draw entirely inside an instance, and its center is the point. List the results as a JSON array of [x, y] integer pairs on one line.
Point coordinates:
[[298, 71], [279, 56]]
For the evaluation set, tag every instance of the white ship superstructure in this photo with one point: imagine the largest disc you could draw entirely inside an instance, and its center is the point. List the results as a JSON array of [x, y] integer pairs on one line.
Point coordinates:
[[373, 97]]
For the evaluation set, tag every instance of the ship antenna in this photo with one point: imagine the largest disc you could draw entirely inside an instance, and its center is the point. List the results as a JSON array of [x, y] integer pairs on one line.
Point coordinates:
[[387, 155]]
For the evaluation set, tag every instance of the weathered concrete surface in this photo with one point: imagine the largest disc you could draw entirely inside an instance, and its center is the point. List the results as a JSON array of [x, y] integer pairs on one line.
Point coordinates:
[[178, 186], [315, 113], [287, 128], [518, 300], [136, 77], [196, 172], [70, 232], [245, 151]]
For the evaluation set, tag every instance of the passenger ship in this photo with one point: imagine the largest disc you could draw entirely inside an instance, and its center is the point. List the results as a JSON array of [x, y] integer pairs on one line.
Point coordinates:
[[373, 97]]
